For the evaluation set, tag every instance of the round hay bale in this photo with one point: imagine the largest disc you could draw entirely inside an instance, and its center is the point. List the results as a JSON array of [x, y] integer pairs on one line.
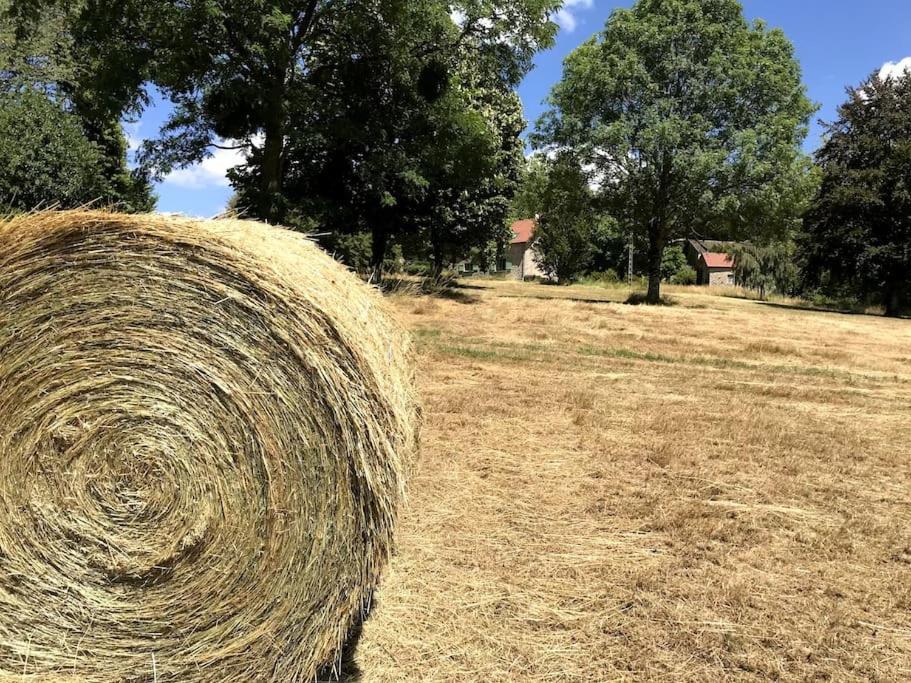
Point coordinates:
[[205, 429]]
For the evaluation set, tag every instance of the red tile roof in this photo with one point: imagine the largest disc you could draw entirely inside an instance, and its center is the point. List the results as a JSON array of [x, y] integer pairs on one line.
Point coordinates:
[[523, 231], [716, 260]]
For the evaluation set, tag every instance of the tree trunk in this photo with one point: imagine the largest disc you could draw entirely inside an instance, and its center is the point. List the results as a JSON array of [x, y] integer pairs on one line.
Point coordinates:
[[436, 244], [657, 233], [894, 301], [274, 146], [655, 253], [272, 171], [378, 249], [438, 266]]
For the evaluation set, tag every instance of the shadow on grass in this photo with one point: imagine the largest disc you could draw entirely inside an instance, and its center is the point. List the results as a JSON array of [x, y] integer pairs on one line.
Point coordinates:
[[440, 288], [641, 299], [541, 297], [463, 285], [810, 308], [452, 293]]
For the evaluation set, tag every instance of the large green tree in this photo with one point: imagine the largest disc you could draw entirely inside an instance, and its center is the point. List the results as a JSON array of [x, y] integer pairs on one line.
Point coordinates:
[[857, 236], [765, 267], [471, 161], [259, 72], [574, 233], [567, 221], [533, 176], [56, 149], [403, 143], [45, 158], [691, 118]]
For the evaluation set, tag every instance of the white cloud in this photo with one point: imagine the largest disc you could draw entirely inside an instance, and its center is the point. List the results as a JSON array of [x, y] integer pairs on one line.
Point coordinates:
[[212, 171], [896, 69], [131, 131], [134, 142], [566, 17]]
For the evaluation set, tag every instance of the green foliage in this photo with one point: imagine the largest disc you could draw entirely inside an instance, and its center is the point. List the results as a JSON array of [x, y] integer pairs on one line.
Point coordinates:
[[858, 233], [548, 186], [526, 202], [672, 262], [419, 268], [568, 220], [691, 118], [56, 149], [46, 159], [686, 275], [609, 245], [606, 277], [353, 250], [765, 268], [362, 117], [469, 184]]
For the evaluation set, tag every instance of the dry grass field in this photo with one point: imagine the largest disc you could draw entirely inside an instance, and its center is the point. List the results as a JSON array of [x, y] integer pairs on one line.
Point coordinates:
[[711, 491]]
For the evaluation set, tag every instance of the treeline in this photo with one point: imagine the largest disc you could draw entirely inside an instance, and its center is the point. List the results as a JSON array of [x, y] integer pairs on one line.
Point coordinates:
[[392, 130], [681, 119], [376, 124]]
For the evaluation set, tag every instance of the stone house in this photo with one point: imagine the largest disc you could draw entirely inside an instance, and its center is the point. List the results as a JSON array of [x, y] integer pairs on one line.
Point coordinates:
[[710, 260], [522, 259]]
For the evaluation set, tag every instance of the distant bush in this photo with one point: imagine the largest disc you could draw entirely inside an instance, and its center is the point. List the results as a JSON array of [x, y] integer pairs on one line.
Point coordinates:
[[839, 303], [672, 262], [46, 159], [604, 277], [419, 268], [353, 250], [685, 276], [394, 262]]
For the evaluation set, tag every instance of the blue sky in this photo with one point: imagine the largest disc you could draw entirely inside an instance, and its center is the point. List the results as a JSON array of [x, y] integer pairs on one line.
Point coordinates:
[[838, 42]]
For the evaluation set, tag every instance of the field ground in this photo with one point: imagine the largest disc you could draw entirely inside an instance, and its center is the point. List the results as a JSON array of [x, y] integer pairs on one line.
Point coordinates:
[[716, 490]]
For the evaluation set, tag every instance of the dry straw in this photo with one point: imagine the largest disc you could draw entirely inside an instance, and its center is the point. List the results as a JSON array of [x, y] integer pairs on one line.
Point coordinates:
[[205, 427]]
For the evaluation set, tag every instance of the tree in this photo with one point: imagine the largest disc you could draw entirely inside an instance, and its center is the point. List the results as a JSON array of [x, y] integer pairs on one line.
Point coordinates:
[[526, 201], [858, 231], [262, 75], [56, 152], [691, 118], [45, 158], [472, 176], [567, 222], [419, 148], [765, 267], [672, 261], [595, 245]]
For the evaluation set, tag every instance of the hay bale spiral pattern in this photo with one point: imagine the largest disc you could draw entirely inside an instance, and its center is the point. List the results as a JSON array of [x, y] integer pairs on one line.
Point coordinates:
[[205, 428]]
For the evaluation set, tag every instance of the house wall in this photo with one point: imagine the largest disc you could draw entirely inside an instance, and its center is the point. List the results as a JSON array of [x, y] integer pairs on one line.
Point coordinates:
[[532, 264], [721, 277], [525, 264], [516, 257]]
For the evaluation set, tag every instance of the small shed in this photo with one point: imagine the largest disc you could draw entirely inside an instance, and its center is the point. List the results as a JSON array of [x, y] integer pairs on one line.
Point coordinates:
[[523, 259], [710, 260]]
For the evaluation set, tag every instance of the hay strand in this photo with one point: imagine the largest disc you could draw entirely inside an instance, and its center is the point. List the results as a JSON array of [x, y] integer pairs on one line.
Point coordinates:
[[205, 430]]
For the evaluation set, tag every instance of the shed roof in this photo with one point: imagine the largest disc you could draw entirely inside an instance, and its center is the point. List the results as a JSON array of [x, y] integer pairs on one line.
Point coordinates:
[[715, 259], [523, 230]]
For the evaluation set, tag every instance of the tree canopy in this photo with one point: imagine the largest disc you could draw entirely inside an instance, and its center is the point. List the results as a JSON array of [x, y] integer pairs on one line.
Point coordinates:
[[55, 151], [690, 119], [351, 114], [858, 231], [765, 267]]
